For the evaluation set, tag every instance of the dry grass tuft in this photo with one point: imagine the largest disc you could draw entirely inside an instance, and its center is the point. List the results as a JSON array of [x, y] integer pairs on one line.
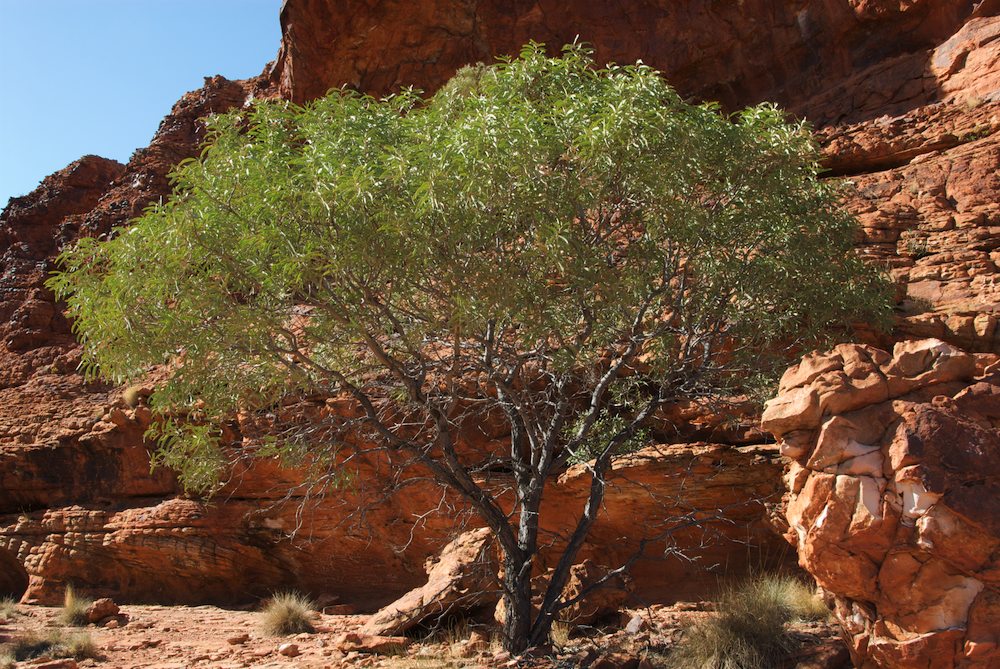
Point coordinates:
[[74, 611], [749, 629], [8, 608], [287, 613], [79, 645], [560, 633], [450, 631], [453, 636], [54, 644], [798, 598]]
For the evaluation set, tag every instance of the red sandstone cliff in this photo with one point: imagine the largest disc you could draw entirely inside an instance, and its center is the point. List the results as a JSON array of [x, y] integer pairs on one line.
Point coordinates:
[[907, 95], [831, 60]]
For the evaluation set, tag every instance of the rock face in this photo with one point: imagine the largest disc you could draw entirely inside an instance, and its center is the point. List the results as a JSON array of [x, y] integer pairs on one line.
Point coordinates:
[[28, 318], [926, 196], [43, 402], [672, 496], [786, 51], [362, 548], [894, 497], [906, 98], [59, 443]]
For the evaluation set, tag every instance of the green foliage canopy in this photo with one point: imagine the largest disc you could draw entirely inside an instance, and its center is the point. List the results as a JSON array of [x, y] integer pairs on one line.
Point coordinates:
[[538, 216], [566, 245]]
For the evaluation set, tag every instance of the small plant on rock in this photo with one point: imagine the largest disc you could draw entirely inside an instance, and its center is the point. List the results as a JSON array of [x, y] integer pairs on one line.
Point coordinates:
[[915, 246], [74, 611], [288, 613]]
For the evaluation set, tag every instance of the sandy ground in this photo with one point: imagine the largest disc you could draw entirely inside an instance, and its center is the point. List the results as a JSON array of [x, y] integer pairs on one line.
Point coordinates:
[[208, 637], [176, 637]]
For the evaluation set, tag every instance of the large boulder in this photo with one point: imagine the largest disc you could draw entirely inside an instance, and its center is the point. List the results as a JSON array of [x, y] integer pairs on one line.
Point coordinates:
[[463, 578], [894, 497]]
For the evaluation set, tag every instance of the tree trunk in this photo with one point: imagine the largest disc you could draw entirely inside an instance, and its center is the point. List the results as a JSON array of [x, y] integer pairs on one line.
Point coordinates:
[[517, 603]]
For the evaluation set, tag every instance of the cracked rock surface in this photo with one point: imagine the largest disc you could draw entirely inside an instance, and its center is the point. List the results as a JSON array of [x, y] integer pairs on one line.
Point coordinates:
[[894, 497]]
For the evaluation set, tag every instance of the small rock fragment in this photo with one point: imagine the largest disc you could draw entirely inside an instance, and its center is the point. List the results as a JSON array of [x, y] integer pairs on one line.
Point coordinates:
[[65, 663], [289, 649], [635, 624], [366, 643], [101, 609], [478, 641], [615, 661], [583, 658]]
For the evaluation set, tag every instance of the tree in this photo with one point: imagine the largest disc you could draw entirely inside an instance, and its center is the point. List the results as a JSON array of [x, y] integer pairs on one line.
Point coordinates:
[[568, 246]]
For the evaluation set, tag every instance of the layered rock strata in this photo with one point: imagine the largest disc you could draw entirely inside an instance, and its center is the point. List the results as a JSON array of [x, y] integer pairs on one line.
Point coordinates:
[[699, 504], [906, 97], [894, 497]]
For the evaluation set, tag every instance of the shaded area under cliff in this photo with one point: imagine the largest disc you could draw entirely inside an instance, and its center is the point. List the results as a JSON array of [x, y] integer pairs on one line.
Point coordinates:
[[13, 577]]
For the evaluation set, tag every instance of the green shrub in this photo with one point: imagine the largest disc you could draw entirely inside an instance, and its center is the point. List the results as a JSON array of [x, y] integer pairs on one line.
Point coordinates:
[[748, 630], [287, 613], [74, 611]]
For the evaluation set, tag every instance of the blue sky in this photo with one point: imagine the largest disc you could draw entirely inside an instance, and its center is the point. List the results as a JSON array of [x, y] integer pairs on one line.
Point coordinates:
[[97, 76]]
